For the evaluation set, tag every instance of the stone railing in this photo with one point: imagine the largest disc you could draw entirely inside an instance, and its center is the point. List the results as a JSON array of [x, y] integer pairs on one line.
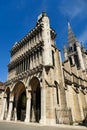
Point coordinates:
[[63, 116]]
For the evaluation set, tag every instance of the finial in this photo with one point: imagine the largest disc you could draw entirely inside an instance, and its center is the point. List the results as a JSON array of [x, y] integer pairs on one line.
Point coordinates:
[[69, 26]]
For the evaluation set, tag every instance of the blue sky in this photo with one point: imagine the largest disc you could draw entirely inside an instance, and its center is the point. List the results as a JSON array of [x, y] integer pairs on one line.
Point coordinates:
[[18, 17]]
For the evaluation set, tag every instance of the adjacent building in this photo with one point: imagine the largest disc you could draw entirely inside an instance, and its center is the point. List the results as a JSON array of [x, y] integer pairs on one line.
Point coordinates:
[[40, 87], [2, 89]]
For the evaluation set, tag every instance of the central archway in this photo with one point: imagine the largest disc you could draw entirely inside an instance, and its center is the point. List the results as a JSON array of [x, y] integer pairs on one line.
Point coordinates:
[[19, 104], [35, 100]]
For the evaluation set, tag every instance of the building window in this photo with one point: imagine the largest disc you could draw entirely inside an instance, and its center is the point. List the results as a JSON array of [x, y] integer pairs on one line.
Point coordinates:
[[74, 47], [70, 59], [70, 49], [57, 96], [76, 61], [53, 58]]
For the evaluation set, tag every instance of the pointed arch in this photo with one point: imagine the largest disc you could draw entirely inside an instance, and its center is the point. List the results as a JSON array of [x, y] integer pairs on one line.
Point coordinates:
[[35, 99], [19, 104]]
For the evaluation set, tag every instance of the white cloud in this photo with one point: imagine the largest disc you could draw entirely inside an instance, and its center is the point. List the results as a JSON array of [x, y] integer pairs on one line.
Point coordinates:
[[73, 8], [83, 36]]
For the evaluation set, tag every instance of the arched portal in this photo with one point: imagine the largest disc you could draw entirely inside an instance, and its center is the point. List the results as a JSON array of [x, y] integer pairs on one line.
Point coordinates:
[[7, 91], [35, 100], [19, 104]]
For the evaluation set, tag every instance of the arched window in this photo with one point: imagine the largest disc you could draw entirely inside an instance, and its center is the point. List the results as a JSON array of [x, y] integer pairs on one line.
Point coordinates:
[[74, 47], [57, 91], [70, 49], [70, 59], [76, 61], [53, 60]]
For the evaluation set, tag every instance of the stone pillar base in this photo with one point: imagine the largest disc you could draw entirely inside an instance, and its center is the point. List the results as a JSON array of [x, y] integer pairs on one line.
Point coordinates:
[[8, 119], [1, 118], [27, 120], [42, 121]]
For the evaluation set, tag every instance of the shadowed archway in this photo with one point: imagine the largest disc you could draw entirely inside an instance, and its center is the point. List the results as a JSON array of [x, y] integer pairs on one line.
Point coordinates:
[[19, 104], [35, 100], [7, 91]]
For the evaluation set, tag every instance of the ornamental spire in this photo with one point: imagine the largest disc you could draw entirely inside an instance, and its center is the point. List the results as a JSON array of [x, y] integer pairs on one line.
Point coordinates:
[[71, 36]]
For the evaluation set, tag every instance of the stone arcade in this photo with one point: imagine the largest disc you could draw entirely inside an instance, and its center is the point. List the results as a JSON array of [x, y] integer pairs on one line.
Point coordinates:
[[40, 88]]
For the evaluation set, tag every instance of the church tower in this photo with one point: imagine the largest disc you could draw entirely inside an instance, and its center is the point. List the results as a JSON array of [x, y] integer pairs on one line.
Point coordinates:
[[74, 52]]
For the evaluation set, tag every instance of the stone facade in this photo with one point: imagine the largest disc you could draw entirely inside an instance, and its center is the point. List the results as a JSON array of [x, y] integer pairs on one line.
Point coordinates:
[[2, 96], [40, 87]]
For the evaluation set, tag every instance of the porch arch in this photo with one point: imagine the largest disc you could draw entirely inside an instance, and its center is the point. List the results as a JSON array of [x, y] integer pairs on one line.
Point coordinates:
[[7, 93], [19, 102], [35, 100]]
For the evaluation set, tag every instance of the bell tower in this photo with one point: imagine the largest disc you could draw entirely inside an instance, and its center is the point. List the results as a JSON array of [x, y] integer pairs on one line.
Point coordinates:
[[73, 52]]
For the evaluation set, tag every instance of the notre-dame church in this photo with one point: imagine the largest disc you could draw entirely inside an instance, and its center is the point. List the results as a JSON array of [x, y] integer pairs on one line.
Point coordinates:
[[40, 87]]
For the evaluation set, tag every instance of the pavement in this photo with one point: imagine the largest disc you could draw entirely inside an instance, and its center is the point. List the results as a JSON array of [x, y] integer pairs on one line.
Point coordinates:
[[13, 125]]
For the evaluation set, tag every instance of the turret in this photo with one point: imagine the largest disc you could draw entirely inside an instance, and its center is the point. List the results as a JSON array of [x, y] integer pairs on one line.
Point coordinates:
[[65, 53], [47, 59]]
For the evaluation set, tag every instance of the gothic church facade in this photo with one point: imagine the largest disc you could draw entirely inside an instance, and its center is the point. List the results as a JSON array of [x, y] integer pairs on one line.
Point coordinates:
[[40, 87]]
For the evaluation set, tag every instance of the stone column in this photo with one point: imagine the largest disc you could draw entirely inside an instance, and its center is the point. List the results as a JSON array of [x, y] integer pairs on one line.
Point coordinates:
[[23, 65], [40, 56], [26, 64], [31, 61], [43, 100], [36, 58], [28, 107], [73, 60], [3, 108], [19, 67], [65, 53], [29, 44], [36, 37], [15, 114], [34, 107], [10, 109], [43, 106], [80, 57], [35, 62]]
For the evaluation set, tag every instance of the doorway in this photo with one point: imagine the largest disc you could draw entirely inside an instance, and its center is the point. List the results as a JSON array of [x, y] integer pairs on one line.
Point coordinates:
[[19, 104], [21, 107], [35, 100]]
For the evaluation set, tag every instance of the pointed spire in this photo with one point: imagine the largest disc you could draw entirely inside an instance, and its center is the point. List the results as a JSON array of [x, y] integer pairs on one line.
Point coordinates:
[[69, 25], [71, 36]]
